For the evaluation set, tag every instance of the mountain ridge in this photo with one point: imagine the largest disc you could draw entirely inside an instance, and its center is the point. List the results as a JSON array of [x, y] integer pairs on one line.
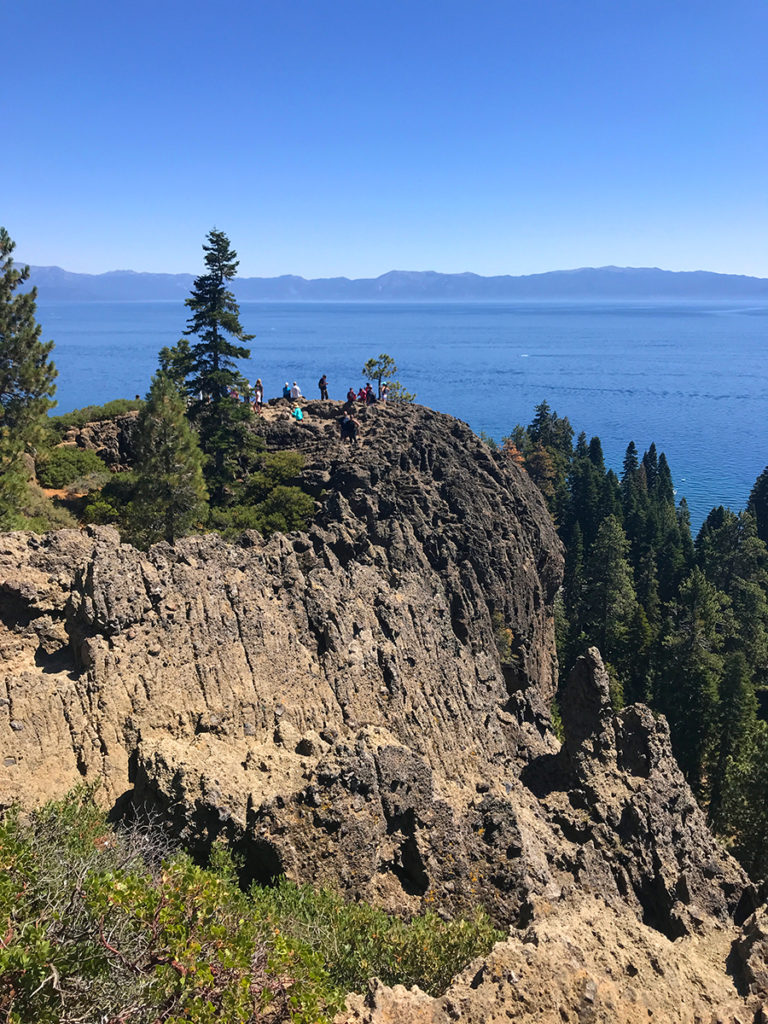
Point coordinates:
[[609, 282]]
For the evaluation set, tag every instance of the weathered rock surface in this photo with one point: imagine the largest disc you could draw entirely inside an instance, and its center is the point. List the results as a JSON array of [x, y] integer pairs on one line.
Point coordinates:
[[335, 704], [580, 962]]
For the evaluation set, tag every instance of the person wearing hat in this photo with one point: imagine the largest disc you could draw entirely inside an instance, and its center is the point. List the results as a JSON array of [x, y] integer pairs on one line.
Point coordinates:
[[286, 390], [295, 391]]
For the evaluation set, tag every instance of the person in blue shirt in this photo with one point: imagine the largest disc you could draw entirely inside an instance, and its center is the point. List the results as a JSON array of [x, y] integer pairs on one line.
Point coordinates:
[[286, 390], [297, 414]]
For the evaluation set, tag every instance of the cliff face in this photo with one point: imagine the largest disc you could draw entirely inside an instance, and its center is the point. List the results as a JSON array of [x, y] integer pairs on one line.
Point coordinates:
[[365, 703]]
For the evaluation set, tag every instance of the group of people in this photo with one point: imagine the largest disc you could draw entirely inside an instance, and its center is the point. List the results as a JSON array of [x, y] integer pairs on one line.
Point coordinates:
[[348, 425], [292, 392], [367, 395], [254, 395]]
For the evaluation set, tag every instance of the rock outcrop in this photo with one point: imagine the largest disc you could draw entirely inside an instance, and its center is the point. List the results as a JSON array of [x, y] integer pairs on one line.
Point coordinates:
[[579, 962], [367, 704], [113, 440]]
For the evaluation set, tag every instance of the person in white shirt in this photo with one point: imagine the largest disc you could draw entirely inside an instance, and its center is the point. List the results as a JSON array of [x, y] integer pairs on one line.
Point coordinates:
[[295, 391]]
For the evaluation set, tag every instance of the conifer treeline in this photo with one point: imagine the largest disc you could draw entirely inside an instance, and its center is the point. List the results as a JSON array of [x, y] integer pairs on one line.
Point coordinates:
[[682, 625]]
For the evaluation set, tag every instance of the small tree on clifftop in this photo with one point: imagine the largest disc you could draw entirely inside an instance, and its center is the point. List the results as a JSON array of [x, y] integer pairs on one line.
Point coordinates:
[[382, 371], [170, 497]]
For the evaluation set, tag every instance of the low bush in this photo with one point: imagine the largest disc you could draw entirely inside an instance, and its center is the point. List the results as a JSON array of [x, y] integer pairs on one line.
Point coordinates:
[[62, 466], [112, 504], [59, 425], [360, 941], [283, 509], [103, 925], [39, 514]]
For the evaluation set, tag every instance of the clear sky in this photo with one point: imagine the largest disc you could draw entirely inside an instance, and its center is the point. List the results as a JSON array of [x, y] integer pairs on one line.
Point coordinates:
[[352, 137]]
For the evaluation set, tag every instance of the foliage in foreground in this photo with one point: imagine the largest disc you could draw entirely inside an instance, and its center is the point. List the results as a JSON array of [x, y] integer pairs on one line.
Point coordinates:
[[116, 926]]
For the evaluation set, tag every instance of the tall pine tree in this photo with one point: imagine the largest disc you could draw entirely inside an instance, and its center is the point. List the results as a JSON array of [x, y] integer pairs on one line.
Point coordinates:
[[689, 682], [26, 383], [211, 375], [611, 619]]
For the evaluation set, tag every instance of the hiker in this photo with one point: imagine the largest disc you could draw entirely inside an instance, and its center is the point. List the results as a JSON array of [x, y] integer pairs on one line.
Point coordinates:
[[295, 391], [348, 428], [361, 395], [286, 390], [258, 396], [323, 385], [384, 392], [351, 396], [297, 414]]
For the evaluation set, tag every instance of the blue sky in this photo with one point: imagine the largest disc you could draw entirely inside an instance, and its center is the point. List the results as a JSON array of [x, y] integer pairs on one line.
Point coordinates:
[[352, 137]]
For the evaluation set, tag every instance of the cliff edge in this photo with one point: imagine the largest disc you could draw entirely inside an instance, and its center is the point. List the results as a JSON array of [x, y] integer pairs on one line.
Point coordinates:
[[367, 704]]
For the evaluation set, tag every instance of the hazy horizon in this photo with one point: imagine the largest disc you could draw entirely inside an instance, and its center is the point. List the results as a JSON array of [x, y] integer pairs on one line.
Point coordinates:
[[392, 270]]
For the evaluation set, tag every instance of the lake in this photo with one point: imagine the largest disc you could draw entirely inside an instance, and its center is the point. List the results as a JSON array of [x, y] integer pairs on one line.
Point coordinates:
[[691, 377]]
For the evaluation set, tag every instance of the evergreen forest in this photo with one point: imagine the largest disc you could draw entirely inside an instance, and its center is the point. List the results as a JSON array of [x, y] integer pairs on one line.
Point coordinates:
[[681, 622]]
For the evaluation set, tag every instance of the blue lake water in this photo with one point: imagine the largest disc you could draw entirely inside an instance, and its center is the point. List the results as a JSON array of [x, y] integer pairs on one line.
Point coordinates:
[[691, 377]]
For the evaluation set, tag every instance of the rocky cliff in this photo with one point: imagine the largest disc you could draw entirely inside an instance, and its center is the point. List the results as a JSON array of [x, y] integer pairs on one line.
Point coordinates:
[[367, 704]]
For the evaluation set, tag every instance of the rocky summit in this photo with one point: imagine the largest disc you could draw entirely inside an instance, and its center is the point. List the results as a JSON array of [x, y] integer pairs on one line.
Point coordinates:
[[367, 704]]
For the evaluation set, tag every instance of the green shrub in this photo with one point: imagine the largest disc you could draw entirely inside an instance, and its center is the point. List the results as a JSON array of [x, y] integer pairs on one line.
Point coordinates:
[[283, 509], [40, 514], [276, 469], [62, 466], [59, 425], [111, 505], [103, 925], [360, 941]]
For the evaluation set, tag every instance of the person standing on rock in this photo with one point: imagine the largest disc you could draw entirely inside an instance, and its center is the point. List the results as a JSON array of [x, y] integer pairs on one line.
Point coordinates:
[[258, 396], [295, 391], [323, 385], [348, 428], [286, 390], [384, 393]]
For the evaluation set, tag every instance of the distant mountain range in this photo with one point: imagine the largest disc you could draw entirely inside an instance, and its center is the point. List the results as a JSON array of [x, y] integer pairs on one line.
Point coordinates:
[[55, 284]]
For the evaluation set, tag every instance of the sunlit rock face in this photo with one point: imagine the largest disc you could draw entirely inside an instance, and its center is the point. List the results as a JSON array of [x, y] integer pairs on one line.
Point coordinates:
[[365, 703]]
